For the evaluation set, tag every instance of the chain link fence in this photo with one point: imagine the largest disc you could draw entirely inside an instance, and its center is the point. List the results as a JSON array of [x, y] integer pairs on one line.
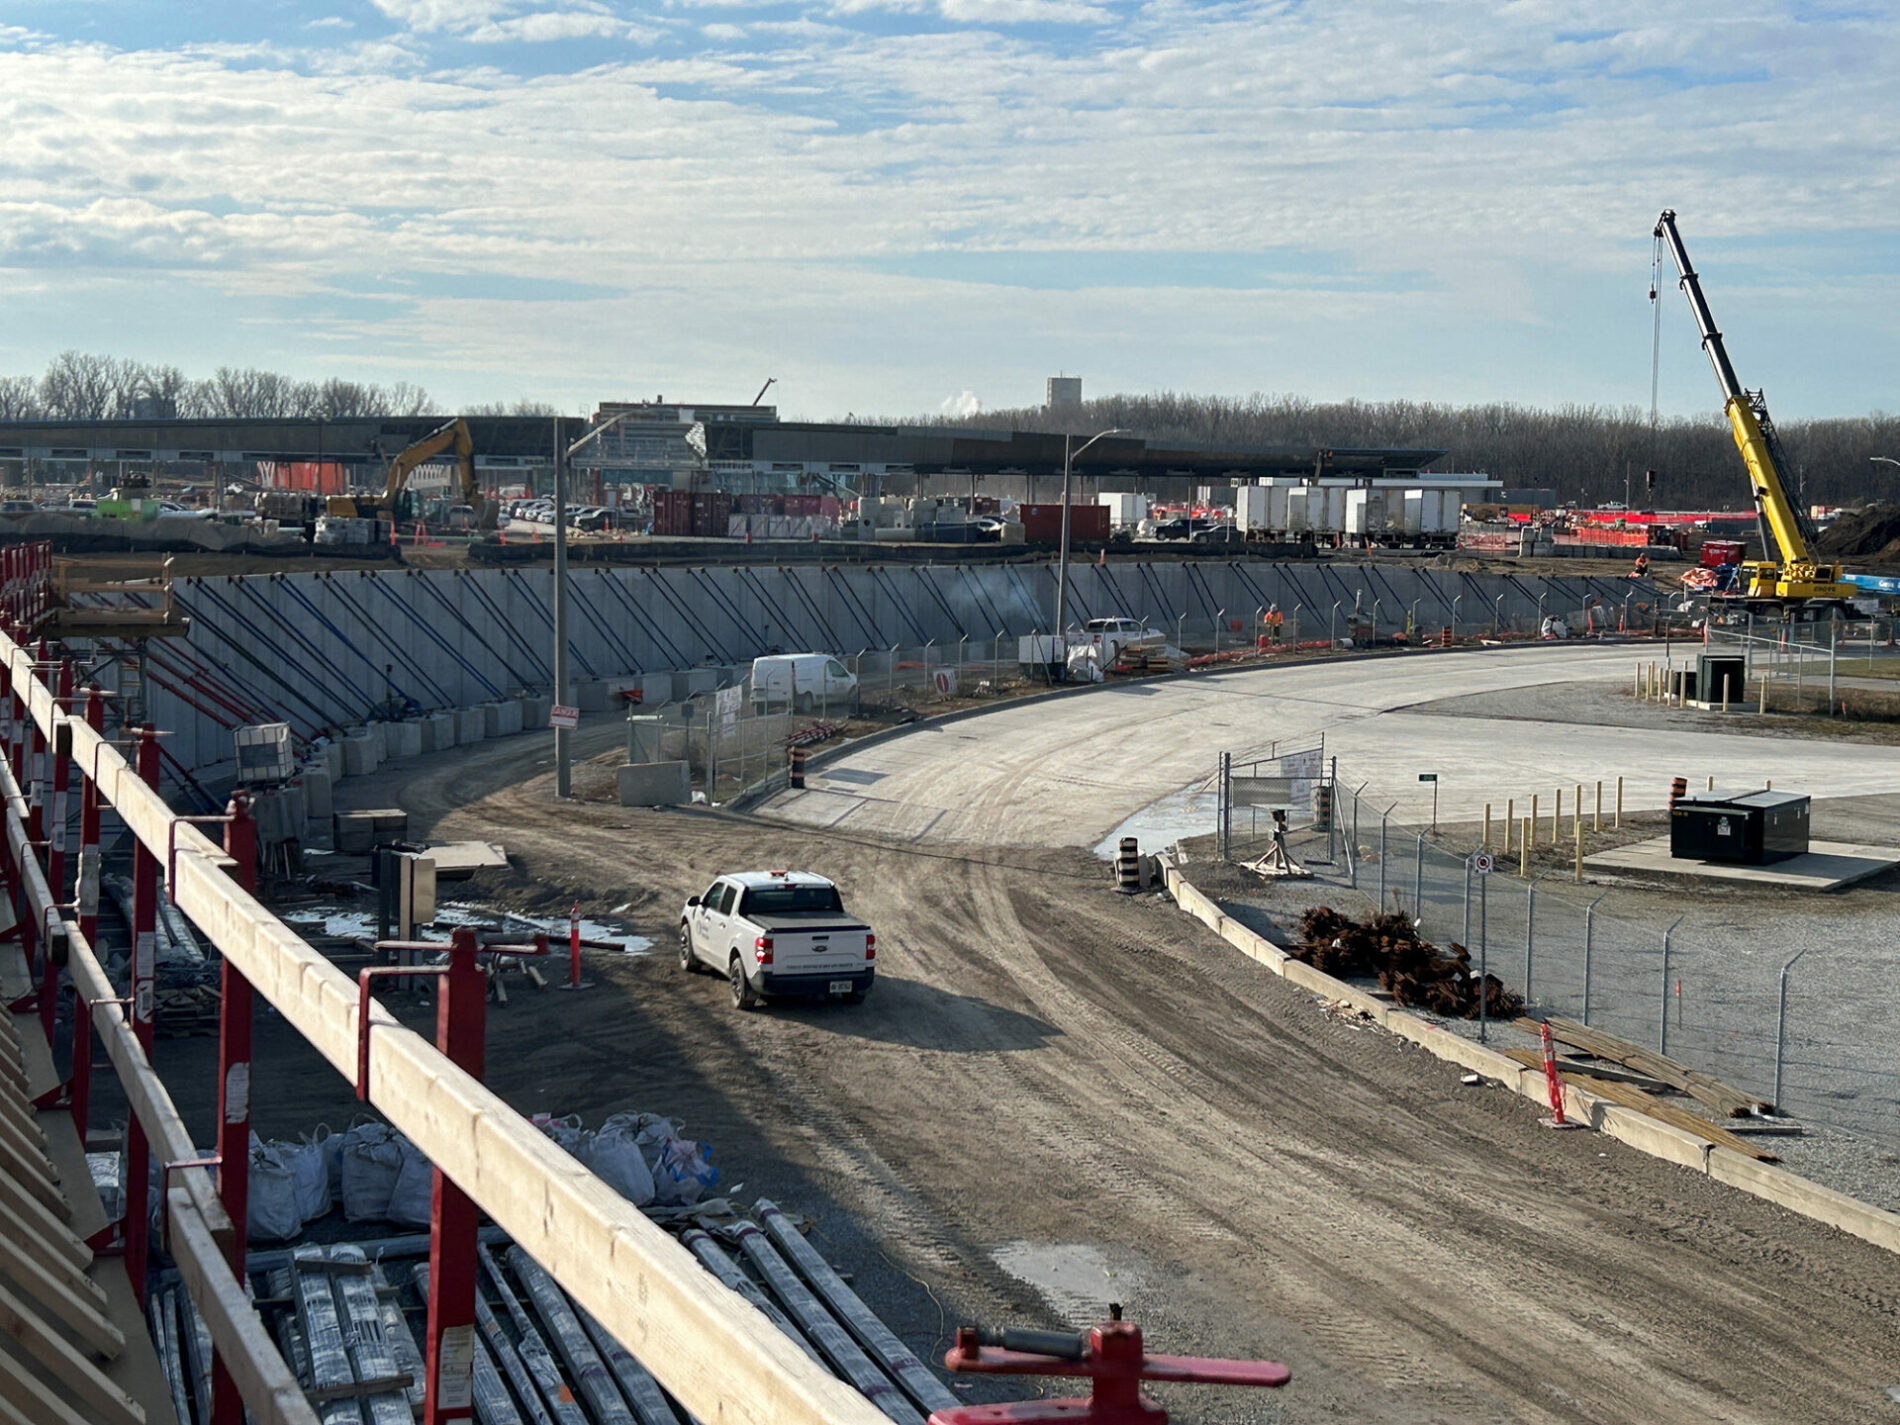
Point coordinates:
[[1781, 1002]]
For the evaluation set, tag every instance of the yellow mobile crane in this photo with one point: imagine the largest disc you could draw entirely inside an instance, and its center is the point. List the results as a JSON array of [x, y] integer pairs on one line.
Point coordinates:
[[1795, 587], [393, 503]]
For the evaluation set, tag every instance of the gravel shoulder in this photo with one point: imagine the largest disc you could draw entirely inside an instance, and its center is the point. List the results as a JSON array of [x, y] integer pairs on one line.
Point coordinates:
[[1045, 1062]]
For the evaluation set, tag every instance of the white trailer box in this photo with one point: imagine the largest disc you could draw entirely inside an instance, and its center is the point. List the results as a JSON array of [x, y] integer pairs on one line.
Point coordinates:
[[1125, 508], [1253, 506], [1329, 508], [1412, 518], [1299, 511]]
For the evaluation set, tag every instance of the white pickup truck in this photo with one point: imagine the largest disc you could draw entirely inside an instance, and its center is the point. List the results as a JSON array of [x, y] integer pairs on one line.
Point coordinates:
[[780, 934]]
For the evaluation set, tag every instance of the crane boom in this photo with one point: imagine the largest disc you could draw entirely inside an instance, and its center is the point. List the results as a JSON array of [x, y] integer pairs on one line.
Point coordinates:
[[1796, 576]]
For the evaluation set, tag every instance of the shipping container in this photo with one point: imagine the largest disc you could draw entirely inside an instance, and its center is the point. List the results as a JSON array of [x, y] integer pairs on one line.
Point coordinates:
[[1042, 524], [672, 513]]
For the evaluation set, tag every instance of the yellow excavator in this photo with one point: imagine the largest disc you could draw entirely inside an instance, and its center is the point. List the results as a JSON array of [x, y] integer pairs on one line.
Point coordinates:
[[1795, 587], [397, 503]]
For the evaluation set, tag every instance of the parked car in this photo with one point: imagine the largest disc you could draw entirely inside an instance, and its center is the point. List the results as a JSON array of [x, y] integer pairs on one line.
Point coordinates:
[[778, 934], [1181, 527], [1221, 533]]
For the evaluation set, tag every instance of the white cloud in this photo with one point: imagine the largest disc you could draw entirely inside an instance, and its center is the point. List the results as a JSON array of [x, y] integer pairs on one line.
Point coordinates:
[[330, 22], [1416, 181], [1022, 12], [964, 403]]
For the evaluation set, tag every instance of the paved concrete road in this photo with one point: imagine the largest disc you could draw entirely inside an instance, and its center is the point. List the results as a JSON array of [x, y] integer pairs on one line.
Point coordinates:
[[1069, 771]]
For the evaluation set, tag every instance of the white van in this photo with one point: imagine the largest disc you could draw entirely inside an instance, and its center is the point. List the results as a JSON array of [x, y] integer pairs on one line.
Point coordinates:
[[803, 682]]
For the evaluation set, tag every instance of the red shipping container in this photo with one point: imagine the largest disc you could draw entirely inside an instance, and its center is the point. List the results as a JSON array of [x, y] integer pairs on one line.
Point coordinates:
[[1042, 524], [712, 514], [1717, 552], [672, 513]]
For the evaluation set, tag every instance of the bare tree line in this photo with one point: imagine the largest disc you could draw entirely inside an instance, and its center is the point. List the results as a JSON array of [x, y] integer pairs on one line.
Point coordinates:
[[1582, 452], [83, 386]]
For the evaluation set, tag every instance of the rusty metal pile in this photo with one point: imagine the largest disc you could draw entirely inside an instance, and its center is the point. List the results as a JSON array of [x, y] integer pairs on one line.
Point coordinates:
[[1416, 973]]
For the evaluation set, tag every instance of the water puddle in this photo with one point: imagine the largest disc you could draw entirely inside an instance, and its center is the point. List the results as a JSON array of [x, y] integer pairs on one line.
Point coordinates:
[[1192, 811], [1077, 1281]]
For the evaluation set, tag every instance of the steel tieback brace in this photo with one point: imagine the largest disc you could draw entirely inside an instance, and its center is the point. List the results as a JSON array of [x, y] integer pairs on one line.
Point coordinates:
[[1110, 1355]]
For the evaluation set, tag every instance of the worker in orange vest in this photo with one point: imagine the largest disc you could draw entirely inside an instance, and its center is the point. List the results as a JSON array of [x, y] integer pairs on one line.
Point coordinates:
[[1641, 571]]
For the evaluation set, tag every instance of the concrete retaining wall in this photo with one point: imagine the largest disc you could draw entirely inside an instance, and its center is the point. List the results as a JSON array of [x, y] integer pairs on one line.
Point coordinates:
[[310, 649], [1637, 1130]]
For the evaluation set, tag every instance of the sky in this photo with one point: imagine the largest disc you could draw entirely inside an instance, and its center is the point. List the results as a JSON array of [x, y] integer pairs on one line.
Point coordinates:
[[896, 207]]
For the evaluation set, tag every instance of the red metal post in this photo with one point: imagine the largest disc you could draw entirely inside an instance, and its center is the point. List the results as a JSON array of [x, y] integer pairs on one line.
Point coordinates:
[[234, 1096], [62, 782], [461, 1007], [144, 956], [87, 894], [35, 783]]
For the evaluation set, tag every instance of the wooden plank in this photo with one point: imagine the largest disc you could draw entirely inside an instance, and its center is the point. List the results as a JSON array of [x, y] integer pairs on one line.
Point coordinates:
[[1631, 1096], [87, 1383], [81, 1314], [1722, 1097], [49, 1219], [59, 1252], [37, 1176], [23, 1131], [265, 1384], [23, 1385]]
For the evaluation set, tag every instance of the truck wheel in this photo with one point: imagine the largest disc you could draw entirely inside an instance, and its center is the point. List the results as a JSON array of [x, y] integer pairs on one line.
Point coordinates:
[[689, 964], [742, 995]]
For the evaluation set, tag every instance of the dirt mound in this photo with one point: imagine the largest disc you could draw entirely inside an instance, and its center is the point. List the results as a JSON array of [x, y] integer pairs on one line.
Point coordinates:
[[1871, 534]]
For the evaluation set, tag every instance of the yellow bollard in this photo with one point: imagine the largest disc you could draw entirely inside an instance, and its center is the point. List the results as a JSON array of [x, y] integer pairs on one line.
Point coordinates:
[[1764, 695], [1524, 848], [1596, 821], [1579, 868], [1618, 823], [1711, 781], [1487, 823], [1636, 682], [1510, 821], [1556, 816], [1531, 820], [1576, 811]]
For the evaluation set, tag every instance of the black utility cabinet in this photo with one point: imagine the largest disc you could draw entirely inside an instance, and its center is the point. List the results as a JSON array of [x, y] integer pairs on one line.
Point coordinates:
[[1717, 671], [1748, 829]]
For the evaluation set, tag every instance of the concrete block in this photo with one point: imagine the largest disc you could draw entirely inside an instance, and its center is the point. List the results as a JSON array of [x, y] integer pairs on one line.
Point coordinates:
[[501, 719], [403, 739], [374, 730], [534, 712], [654, 784], [318, 785], [358, 832], [438, 732], [591, 695], [1810, 1199], [359, 755], [702, 680], [471, 725], [332, 754]]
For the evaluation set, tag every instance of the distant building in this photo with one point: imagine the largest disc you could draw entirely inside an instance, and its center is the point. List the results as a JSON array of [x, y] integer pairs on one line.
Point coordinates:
[[1064, 392]]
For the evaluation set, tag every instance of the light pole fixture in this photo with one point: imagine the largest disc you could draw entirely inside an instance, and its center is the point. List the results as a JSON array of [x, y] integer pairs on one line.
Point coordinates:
[[563, 750], [1062, 558]]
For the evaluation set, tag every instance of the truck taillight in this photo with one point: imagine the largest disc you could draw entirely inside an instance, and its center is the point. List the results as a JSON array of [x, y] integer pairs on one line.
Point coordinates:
[[870, 947], [762, 950]]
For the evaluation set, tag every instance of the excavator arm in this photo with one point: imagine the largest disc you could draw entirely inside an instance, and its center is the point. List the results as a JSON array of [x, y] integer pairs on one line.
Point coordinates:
[[453, 436]]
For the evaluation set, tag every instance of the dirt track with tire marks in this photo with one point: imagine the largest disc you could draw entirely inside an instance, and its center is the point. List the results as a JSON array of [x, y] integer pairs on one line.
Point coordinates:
[[1045, 1061]]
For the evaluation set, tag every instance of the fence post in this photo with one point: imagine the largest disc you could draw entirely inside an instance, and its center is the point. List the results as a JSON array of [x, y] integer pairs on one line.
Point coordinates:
[[1530, 934], [1484, 961], [1354, 861], [1781, 1025], [1662, 1036], [1531, 822], [1596, 818], [1510, 822], [1618, 823], [1589, 928], [1418, 883], [890, 677], [1524, 849]]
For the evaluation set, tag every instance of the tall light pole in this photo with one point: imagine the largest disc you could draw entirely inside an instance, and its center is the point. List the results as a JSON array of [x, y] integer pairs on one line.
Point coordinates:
[[1884, 459], [563, 751], [1062, 559]]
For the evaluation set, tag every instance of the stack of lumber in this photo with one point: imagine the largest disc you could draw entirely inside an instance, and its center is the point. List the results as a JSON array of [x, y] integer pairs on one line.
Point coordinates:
[[1725, 1099], [1630, 1096]]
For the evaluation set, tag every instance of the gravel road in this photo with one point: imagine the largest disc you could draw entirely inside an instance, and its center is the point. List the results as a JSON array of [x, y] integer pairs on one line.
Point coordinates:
[[1048, 1073]]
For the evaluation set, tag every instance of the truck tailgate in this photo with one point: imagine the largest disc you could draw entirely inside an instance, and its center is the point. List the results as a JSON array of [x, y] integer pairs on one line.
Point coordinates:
[[814, 945]]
